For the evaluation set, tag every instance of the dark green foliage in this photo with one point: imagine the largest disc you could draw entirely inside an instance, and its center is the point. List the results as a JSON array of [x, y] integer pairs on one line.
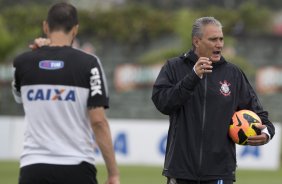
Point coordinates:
[[127, 25], [131, 25], [19, 25]]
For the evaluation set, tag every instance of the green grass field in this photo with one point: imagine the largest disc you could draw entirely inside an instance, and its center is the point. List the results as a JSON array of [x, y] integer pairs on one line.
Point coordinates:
[[147, 175]]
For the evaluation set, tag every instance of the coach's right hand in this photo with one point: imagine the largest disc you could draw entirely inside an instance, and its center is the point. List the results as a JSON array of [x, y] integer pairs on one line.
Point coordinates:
[[203, 65]]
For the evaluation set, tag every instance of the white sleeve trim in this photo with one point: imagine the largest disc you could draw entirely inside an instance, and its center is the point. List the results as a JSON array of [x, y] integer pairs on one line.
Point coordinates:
[[201, 77], [265, 130], [17, 95]]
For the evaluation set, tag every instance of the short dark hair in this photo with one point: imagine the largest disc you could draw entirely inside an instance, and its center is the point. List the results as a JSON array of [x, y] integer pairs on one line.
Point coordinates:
[[62, 16]]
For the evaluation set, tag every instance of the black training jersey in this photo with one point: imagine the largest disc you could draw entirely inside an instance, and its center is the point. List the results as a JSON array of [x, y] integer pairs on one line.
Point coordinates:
[[56, 86]]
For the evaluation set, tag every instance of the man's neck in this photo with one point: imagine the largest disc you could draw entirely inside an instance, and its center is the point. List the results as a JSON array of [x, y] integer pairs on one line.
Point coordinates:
[[60, 39]]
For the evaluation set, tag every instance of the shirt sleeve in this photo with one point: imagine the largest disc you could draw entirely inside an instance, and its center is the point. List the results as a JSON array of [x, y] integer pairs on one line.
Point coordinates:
[[248, 99], [265, 130], [169, 94], [98, 90], [16, 88], [201, 77]]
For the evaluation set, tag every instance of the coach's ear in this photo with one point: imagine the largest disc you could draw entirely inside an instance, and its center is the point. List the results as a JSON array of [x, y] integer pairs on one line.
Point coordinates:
[[45, 27], [195, 41]]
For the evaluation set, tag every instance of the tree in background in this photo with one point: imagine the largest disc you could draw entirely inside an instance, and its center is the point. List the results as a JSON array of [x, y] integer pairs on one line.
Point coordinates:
[[131, 25], [230, 4]]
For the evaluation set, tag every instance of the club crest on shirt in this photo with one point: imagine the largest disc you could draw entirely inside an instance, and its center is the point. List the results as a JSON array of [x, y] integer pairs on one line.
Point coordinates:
[[224, 88]]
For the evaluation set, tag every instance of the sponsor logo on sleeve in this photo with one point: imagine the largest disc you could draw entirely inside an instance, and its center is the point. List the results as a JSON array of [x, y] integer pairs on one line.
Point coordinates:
[[95, 82]]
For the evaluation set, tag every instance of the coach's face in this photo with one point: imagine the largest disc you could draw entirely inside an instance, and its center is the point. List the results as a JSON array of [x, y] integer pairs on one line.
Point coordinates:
[[210, 44]]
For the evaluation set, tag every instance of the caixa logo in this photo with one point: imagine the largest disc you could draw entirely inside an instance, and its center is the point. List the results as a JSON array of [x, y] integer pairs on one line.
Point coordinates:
[[51, 94]]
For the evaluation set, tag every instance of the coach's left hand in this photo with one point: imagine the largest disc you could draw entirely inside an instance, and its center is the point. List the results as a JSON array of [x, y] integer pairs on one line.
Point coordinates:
[[258, 139]]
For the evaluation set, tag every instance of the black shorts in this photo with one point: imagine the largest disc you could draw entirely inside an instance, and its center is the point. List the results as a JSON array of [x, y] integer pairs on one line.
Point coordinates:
[[180, 181], [83, 173]]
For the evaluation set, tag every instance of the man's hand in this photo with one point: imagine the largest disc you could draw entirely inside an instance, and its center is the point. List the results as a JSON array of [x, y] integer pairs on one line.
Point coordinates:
[[101, 129], [203, 65], [113, 180], [39, 42], [258, 139]]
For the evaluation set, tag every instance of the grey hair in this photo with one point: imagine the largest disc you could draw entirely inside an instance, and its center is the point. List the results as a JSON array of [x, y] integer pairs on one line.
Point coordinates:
[[201, 22]]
